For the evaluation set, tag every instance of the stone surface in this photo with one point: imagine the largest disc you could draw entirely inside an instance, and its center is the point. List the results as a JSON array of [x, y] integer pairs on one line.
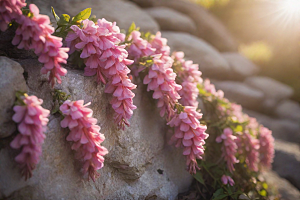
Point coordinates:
[[240, 66], [281, 128], [171, 20], [208, 26], [274, 91], [123, 12], [11, 81], [288, 110], [211, 63], [136, 155], [286, 189], [241, 93], [287, 161]]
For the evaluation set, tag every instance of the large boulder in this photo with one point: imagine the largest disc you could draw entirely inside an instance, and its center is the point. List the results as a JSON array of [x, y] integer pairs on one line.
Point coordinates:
[[240, 66], [123, 12], [241, 93], [208, 26], [274, 91], [11, 81], [287, 161], [288, 109], [172, 20], [211, 63], [139, 165]]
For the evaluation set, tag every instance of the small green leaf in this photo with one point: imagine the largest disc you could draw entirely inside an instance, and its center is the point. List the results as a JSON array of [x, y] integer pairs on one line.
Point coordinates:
[[199, 177], [219, 194], [131, 28], [64, 20], [85, 14], [54, 14], [265, 186], [238, 128], [263, 193]]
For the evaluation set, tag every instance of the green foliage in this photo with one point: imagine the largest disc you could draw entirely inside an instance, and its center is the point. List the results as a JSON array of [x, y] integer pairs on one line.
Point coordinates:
[[59, 98]]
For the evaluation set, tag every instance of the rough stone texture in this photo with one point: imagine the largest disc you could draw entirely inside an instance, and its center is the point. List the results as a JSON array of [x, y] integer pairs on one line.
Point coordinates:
[[286, 189], [11, 81], [171, 20], [123, 12], [281, 128], [130, 170], [287, 161], [211, 63], [274, 91], [288, 110], [240, 66], [208, 26], [241, 93]]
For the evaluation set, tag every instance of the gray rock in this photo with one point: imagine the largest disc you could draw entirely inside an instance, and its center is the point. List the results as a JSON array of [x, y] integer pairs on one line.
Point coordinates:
[[208, 26], [287, 161], [288, 109], [286, 189], [211, 63], [241, 93], [171, 20], [282, 129], [11, 81], [274, 91], [240, 66], [123, 12], [132, 167]]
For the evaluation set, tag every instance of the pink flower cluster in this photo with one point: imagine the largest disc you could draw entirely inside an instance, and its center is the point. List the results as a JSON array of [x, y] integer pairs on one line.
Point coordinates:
[[266, 150], [189, 77], [229, 148], [86, 136], [10, 10], [190, 134], [35, 33], [227, 180], [212, 89], [32, 122], [102, 54], [249, 147]]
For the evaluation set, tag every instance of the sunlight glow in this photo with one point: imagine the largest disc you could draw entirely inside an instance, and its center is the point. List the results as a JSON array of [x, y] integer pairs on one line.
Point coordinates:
[[290, 9]]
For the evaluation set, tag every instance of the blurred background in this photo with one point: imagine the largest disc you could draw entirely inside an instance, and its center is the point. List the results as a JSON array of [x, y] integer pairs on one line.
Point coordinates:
[[267, 32]]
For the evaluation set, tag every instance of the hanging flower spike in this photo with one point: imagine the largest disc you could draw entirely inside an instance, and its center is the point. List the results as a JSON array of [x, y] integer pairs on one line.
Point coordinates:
[[103, 56], [189, 77], [227, 180], [85, 135], [32, 122], [190, 134], [229, 148], [10, 10], [35, 33], [266, 149]]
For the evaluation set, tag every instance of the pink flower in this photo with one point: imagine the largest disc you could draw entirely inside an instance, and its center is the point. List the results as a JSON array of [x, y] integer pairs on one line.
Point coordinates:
[[35, 33], [32, 122], [266, 149], [190, 134], [229, 148], [10, 10], [249, 146], [189, 77], [104, 57], [227, 180], [85, 135], [211, 89], [160, 44]]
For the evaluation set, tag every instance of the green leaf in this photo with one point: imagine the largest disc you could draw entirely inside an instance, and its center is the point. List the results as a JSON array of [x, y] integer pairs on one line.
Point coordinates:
[[64, 20], [131, 28], [238, 128], [54, 14], [219, 194], [199, 177], [85, 14], [265, 186], [263, 193]]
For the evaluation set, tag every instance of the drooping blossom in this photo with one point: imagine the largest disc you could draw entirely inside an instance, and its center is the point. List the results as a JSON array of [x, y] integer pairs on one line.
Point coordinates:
[[229, 148], [160, 45], [35, 33], [227, 180], [189, 76], [189, 134], [249, 147], [32, 122], [85, 135], [212, 89], [104, 57], [237, 114], [10, 10], [266, 150]]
